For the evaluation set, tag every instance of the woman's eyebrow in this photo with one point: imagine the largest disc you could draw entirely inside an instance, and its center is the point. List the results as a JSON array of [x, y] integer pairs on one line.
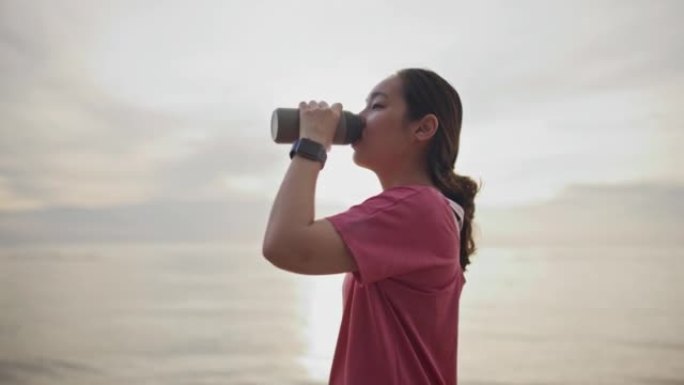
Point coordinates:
[[374, 94]]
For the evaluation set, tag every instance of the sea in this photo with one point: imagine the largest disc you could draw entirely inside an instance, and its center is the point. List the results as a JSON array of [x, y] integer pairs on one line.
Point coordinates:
[[214, 313]]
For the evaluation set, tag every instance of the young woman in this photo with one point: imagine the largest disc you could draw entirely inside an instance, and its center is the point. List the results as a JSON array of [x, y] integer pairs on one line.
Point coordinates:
[[405, 250]]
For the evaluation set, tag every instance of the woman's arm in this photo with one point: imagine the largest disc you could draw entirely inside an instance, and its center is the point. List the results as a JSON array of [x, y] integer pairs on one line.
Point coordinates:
[[294, 240]]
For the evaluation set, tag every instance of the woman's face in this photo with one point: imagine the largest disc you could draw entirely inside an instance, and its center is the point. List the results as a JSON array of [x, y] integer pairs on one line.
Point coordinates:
[[386, 138]]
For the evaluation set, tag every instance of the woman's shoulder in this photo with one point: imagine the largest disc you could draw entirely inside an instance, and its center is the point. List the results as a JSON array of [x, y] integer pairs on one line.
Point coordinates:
[[427, 193], [420, 196]]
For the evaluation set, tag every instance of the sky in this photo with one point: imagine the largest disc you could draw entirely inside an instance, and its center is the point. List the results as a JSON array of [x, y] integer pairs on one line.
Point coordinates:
[[141, 119]]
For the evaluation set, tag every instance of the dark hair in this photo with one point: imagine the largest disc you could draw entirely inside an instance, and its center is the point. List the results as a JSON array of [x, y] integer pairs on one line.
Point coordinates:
[[425, 93]]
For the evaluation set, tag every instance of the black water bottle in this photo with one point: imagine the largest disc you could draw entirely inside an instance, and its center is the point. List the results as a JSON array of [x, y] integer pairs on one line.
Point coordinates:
[[285, 126]]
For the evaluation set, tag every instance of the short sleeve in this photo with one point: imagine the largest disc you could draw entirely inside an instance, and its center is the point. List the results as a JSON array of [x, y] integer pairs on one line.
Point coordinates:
[[398, 232]]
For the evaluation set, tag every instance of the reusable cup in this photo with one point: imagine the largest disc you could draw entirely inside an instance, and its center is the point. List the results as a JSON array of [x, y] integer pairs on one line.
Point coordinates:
[[285, 126]]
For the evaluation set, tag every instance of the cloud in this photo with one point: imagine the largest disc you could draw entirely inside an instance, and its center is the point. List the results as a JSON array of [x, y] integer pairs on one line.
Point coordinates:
[[67, 141], [163, 222], [239, 219], [152, 102], [85, 148], [622, 214], [626, 214]]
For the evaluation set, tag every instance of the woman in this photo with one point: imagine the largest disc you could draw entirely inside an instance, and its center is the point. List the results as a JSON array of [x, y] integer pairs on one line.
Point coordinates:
[[404, 250]]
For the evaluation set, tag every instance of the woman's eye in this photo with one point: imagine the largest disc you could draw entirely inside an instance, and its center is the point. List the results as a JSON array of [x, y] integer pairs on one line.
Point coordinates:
[[374, 106]]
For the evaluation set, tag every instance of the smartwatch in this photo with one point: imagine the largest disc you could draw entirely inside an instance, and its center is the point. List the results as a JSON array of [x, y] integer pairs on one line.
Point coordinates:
[[309, 149]]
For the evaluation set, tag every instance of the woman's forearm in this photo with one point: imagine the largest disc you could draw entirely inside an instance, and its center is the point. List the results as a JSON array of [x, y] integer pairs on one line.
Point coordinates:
[[293, 208]]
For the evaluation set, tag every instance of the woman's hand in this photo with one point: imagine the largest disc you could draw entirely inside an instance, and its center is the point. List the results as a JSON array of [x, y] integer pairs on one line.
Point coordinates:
[[318, 122]]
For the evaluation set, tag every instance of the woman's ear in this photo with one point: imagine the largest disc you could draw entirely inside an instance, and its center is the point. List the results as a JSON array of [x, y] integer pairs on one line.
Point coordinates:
[[427, 128]]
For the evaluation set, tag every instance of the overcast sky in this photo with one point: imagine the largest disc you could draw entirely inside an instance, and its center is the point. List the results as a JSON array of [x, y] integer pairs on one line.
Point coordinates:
[[134, 103]]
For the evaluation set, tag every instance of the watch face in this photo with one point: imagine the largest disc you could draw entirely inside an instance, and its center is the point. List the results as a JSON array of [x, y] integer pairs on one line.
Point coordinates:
[[310, 149]]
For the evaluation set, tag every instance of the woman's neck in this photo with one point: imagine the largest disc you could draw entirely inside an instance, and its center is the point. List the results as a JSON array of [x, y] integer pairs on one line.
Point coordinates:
[[414, 177]]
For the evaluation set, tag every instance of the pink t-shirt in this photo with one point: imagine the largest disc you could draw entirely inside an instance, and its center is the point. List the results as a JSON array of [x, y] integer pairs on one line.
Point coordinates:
[[400, 318]]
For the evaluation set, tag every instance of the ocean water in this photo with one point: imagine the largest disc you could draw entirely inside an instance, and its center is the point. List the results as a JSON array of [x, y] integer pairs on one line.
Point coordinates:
[[220, 314]]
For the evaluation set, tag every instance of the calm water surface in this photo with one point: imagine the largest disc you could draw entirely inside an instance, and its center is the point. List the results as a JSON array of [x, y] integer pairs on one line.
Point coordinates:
[[220, 314]]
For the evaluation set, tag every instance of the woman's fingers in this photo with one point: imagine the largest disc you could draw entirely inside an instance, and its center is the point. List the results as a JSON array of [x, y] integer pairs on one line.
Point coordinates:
[[319, 121], [321, 104]]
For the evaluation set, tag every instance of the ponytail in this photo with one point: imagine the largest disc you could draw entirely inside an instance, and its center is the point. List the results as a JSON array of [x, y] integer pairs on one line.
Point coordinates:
[[462, 190]]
